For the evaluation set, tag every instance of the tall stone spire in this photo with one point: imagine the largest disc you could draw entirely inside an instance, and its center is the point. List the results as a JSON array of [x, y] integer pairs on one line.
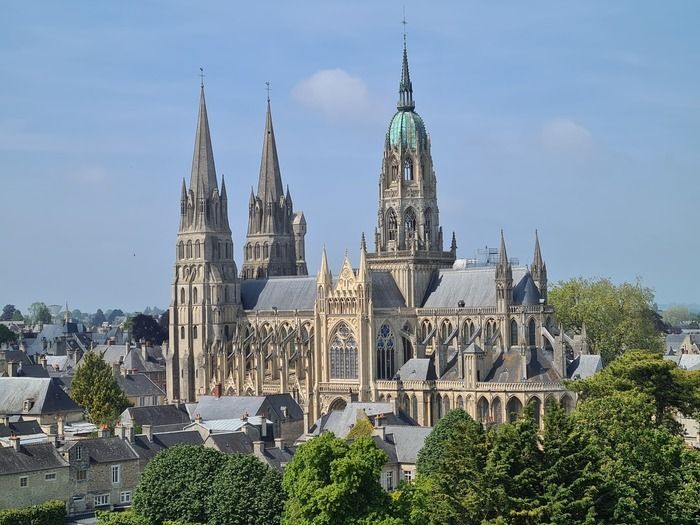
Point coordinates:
[[270, 182], [405, 87], [537, 262], [203, 170], [538, 270], [503, 254], [504, 279]]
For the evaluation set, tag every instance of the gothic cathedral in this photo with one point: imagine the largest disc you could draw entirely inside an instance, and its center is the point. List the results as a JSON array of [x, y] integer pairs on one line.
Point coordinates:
[[411, 324]]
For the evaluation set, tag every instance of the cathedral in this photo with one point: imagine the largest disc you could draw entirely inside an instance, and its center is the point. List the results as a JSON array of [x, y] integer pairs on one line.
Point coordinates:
[[409, 323]]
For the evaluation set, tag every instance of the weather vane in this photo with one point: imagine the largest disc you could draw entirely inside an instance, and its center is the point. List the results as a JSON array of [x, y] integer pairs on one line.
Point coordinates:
[[201, 76], [403, 21], [267, 88]]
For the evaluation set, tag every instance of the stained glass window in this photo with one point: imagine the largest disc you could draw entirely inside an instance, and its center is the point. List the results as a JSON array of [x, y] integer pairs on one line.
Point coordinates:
[[343, 350], [385, 352]]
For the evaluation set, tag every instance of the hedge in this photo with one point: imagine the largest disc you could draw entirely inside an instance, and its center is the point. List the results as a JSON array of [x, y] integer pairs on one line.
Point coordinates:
[[49, 513]]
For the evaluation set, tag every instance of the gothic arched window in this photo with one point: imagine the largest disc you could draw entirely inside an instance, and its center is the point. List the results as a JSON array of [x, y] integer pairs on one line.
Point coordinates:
[[194, 295], [257, 251], [385, 352], [391, 225], [182, 332], [181, 250], [343, 350], [197, 252], [194, 332], [407, 170], [513, 332], [189, 249], [266, 251], [394, 171], [409, 224], [182, 296], [249, 252], [531, 333]]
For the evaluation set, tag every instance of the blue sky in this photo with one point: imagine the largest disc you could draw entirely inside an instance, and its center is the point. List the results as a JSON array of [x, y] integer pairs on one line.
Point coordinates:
[[579, 119]]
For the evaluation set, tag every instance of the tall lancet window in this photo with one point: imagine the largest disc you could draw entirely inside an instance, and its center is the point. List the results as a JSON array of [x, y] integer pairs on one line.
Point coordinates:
[[391, 226], [343, 353], [408, 170], [385, 352], [428, 224], [409, 223]]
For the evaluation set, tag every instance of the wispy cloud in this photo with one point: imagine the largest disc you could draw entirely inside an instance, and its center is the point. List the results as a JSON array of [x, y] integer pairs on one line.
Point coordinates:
[[333, 92], [562, 135]]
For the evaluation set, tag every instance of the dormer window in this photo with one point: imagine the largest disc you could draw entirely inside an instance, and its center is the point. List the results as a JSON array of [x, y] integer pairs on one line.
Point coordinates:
[[28, 404]]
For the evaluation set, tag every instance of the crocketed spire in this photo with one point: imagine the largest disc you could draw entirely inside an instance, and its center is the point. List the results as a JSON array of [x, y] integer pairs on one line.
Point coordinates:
[[203, 170], [270, 182]]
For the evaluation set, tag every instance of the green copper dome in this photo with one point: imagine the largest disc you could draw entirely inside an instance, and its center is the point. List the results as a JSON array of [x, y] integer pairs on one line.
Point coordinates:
[[407, 130]]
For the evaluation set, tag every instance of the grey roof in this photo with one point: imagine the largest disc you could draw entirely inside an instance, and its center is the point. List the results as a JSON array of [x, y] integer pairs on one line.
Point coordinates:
[[232, 442], [475, 286], [686, 361], [104, 450], [160, 415], [47, 396], [526, 292], [147, 449], [673, 341], [584, 366], [137, 385], [30, 458], [58, 362], [385, 293], [340, 422], [20, 428], [32, 371], [407, 440], [229, 407], [388, 447], [283, 293], [277, 458], [507, 368], [15, 356], [417, 369]]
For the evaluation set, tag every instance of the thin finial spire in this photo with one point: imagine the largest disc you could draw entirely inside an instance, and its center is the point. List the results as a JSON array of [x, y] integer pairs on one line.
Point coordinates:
[[403, 21], [201, 77], [267, 88]]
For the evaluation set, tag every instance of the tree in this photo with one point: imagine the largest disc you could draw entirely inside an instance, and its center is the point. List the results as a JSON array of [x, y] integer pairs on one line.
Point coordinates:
[[616, 318], [245, 491], [164, 323], [95, 389], [128, 517], [147, 328], [8, 312], [39, 313], [17, 316], [666, 387], [176, 483], [99, 317], [113, 314], [362, 428], [7, 335], [329, 482]]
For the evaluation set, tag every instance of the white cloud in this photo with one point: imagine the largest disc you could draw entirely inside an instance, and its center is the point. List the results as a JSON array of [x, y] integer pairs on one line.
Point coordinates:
[[333, 92], [563, 135]]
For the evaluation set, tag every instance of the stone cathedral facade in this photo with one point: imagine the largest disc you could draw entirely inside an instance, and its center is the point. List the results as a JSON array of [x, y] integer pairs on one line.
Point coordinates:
[[409, 323]]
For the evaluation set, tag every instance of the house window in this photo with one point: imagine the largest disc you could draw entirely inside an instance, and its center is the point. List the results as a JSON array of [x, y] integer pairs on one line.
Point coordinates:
[[81, 475], [408, 475], [101, 500], [125, 497], [78, 452], [389, 480], [51, 476], [23, 481], [116, 471]]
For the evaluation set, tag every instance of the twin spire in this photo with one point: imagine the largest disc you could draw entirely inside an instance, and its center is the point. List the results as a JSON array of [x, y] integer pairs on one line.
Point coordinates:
[[203, 176], [270, 182]]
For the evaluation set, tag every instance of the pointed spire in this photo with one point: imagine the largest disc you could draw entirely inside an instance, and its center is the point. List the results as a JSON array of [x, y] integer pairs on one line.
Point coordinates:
[[405, 87], [324, 273], [203, 170], [183, 193], [363, 271], [270, 181], [453, 246], [223, 187], [537, 263], [503, 261], [363, 243], [252, 196]]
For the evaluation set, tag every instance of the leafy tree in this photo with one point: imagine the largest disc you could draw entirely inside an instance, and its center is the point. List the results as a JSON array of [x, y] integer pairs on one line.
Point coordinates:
[[330, 482], [164, 323], [616, 318], [113, 314], [147, 328], [678, 314], [17, 316], [95, 389], [176, 483], [39, 313], [99, 317], [128, 517], [7, 312], [363, 428], [668, 388], [7, 335], [245, 491]]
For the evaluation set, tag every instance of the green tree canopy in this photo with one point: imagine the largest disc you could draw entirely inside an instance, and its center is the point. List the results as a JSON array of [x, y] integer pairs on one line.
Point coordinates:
[[668, 388], [329, 482], [176, 483], [7, 335], [616, 317], [147, 328], [99, 317], [245, 491], [39, 313], [8, 312], [96, 390]]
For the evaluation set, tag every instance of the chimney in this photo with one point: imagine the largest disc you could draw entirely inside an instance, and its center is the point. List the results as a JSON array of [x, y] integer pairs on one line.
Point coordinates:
[[53, 439], [148, 431], [43, 361], [60, 427], [15, 442], [116, 368], [12, 367], [251, 432], [120, 431], [258, 448], [279, 443], [197, 418], [144, 351], [381, 432]]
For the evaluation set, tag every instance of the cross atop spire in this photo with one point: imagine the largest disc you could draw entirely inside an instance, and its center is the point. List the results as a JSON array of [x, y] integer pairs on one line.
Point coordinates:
[[201, 77], [267, 87], [405, 87]]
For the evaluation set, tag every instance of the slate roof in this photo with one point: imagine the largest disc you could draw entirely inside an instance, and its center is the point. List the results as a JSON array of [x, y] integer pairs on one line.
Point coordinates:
[[283, 293], [30, 458], [104, 450], [278, 458], [526, 292], [407, 441], [229, 407], [20, 428], [147, 449], [475, 286], [673, 341], [685, 361], [584, 366], [137, 385], [46, 392], [233, 425], [155, 416], [32, 371], [340, 422], [507, 368], [385, 293], [15, 356], [417, 369], [232, 442]]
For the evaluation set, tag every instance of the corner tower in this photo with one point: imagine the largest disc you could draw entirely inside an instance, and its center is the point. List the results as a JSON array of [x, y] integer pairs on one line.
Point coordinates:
[[205, 298], [408, 237], [275, 242]]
